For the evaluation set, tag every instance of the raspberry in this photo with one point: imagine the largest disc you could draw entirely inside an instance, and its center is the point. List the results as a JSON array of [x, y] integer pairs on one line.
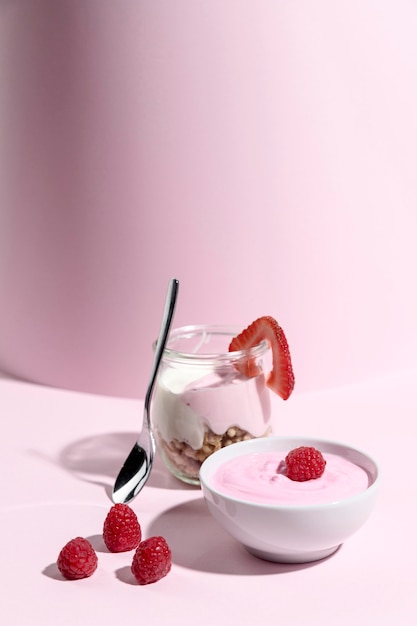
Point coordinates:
[[151, 561], [77, 559], [304, 463], [121, 529]]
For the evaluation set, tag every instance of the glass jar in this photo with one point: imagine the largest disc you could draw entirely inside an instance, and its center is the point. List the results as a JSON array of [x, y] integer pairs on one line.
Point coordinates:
[[204, 399]]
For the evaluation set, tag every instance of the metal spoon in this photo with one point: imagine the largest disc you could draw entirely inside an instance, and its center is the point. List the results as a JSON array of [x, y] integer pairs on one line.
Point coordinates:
[[137, 467]]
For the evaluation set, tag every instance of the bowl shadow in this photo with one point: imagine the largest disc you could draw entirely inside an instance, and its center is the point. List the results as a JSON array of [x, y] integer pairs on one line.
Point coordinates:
[[198, 542]]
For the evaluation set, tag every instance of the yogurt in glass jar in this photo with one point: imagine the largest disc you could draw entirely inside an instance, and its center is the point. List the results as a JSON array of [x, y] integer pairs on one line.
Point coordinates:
[[202, 402]]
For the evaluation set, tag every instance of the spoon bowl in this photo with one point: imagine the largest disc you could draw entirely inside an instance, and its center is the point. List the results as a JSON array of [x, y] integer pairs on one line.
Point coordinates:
[[137, 467]]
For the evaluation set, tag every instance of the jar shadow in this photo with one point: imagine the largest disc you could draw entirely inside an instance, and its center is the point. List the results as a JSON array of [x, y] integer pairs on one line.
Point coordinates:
[[97, 459]]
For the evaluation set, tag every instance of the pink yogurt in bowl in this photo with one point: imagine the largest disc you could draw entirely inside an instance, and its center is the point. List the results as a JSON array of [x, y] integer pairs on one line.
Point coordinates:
[[258, 477], [281, 520]]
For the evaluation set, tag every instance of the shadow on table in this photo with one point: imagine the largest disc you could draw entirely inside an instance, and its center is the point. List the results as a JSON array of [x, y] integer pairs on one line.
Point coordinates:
[[199, 543], [98, 459]]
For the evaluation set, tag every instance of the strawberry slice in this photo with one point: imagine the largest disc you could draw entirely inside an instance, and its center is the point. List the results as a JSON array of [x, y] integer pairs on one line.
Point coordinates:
[[281, 377]]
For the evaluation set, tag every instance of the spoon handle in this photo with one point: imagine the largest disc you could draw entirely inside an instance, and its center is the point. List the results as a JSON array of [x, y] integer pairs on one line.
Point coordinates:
[[170, 302]]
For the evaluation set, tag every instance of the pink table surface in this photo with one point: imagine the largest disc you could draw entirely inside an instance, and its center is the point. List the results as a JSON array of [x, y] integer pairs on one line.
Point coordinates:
[[60, 452]]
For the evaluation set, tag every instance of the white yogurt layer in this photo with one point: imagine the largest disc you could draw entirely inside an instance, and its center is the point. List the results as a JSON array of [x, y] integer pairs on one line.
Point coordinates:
[[190, 400]]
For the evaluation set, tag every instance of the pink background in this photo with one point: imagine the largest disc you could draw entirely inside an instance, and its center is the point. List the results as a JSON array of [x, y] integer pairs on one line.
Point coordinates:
[[262, 153]]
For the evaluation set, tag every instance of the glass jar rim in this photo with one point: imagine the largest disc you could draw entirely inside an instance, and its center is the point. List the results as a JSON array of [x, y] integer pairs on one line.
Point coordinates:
[[179, 356]]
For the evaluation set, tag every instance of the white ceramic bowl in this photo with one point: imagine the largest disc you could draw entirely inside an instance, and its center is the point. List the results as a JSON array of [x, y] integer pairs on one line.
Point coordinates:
[[289, 533]]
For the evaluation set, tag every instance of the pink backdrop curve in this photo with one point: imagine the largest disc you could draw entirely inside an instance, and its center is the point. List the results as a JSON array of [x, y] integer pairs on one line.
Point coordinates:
[[262, 152]]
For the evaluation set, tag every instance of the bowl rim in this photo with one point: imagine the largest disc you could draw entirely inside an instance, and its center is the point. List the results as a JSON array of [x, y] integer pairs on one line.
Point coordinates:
[[245, 446]]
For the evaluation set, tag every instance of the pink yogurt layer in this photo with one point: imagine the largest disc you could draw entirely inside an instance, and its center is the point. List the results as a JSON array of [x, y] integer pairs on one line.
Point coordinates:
[[189, 400], [255, 477], [224, 399]]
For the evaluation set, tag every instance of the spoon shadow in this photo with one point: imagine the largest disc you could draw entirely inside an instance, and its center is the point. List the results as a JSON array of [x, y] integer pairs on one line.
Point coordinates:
[[197, 542]]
